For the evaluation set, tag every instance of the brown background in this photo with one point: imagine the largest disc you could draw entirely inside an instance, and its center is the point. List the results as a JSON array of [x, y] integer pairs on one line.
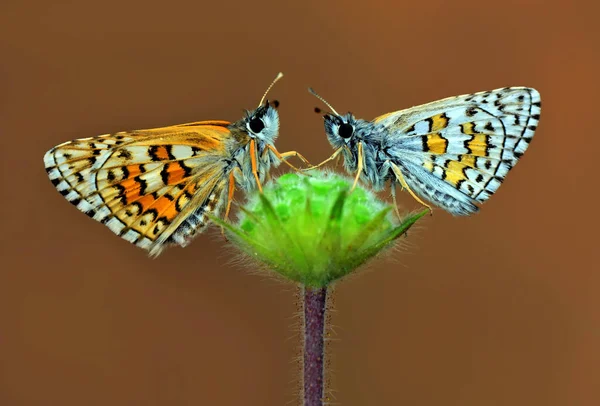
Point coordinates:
[[501, 308]]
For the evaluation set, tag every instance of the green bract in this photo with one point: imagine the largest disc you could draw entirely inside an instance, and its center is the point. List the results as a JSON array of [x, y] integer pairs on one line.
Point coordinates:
[[312, 229]]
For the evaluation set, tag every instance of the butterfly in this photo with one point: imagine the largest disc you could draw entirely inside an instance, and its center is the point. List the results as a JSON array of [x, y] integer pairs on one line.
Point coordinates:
[[453, 152], [157, 187]]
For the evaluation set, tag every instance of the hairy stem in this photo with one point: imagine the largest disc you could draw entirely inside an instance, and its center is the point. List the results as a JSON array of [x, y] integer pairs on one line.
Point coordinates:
[[315, 300]]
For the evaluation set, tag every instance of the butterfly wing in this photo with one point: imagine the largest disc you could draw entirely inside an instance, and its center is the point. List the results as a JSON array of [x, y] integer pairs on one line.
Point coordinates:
[[150, 187], [457, 151]]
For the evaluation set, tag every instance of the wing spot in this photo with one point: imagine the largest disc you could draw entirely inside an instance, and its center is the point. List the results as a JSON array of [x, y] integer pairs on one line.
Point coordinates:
[[436, 143], [429, 124], [164, 174], [425, 146], [143, 185], [160, 153], [120, 193], [125, 154], [439, 122], [152, 212], [468, 128]]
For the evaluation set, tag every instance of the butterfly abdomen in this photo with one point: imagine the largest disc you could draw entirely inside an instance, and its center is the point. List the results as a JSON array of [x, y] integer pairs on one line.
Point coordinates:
[[197, 222]]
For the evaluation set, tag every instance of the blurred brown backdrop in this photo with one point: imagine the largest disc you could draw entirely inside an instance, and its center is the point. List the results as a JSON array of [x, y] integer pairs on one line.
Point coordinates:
[[497, 309]]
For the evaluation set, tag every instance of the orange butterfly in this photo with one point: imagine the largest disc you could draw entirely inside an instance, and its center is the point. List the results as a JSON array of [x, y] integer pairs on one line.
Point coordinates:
[[156, 187]]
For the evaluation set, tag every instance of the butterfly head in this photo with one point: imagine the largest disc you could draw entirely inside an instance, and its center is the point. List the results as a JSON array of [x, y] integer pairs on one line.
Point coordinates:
[[262, 123], [340, 130]]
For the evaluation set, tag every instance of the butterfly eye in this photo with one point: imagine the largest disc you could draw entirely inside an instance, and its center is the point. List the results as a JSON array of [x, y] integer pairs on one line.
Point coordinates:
[[346, 130], [256, 125]]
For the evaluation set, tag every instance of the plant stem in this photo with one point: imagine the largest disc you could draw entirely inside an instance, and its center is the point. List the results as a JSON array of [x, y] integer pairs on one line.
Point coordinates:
[[315, 300]]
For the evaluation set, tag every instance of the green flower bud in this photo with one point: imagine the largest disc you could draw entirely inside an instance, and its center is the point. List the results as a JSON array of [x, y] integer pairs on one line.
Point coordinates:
[[313, 229]]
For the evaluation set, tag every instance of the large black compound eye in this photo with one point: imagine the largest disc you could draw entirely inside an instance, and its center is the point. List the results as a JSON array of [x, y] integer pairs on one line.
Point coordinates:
[[256, 125], [346, 130]]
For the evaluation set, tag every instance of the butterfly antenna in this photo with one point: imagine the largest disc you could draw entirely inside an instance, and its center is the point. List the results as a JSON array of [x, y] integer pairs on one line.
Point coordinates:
[[311, 91], [279, 76]]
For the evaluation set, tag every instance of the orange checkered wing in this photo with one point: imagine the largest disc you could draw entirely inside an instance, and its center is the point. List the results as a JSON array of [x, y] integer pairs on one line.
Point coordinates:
[[151, 187]]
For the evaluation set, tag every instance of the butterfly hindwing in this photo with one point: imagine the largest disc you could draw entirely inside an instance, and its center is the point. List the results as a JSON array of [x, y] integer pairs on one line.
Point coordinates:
[[150, 187], [457, 151]]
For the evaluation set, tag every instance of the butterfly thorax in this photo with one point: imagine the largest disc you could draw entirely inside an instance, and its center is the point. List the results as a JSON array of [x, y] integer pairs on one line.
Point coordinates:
[[369, 135], [239, 148]]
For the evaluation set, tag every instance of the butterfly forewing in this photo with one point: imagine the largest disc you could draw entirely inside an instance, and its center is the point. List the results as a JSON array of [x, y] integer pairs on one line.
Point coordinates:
[[150, 187], [458, 150]]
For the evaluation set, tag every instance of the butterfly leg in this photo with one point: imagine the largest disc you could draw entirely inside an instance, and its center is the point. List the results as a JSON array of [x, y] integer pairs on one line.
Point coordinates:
[[229, 197], [230, 193], [283, 156], [402, 181], [253, 163], [331, 158], [337, 161], [393, 190], [359, 166]]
